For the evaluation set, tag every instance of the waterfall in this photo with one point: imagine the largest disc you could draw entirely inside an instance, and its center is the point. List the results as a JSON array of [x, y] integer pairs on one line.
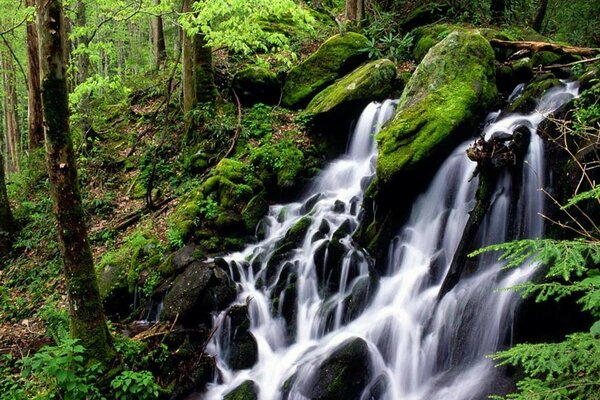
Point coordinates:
[[420, 347]]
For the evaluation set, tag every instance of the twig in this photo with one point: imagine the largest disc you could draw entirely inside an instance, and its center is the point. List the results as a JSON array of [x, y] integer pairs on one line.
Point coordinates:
[[587, 60], [238, 127]]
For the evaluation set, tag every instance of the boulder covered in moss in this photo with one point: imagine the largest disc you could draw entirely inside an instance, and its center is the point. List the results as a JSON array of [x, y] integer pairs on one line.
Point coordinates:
[[246, 391], [343, 375], [336, 57], [370, 82], [442, 102], [255, 84], [425, 37], [201, 289], [453, 84]]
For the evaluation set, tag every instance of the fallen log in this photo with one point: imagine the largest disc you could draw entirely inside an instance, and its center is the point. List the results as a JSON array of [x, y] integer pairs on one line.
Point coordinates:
[[544, 46]]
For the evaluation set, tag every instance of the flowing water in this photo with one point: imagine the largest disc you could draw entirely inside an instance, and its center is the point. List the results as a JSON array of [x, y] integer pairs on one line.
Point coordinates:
[[421, 347]]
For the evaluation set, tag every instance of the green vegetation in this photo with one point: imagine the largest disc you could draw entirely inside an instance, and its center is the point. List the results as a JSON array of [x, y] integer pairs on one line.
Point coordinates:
[[165, 188]]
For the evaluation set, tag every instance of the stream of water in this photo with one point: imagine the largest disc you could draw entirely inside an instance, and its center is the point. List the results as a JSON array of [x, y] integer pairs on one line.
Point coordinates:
[[420, 347]]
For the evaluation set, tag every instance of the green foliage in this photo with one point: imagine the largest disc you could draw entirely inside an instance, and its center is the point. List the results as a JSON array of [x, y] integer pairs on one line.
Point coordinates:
[[281, 162], [556, 371], [244, 27], [60, 372], [569, 369], [130, 385], [257, 121], [386, 39]]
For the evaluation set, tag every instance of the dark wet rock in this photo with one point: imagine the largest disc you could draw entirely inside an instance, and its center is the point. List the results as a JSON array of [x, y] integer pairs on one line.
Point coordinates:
[[243, 350], [359, 298], [343, 375], [246, 391], [339, 206], [201, 289], [310, 203]]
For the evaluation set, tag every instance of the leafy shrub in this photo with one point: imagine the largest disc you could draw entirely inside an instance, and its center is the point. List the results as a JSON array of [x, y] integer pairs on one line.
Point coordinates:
[[131, 385]]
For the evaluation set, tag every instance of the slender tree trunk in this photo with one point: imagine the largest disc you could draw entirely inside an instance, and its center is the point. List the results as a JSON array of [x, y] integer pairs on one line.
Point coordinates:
[[355, 10], [539, 17], [158, 33], [498, 8], [7, 223], [87, 321], [34, 98], [84, 74], [204, 73], [10, 111], [189, 85]]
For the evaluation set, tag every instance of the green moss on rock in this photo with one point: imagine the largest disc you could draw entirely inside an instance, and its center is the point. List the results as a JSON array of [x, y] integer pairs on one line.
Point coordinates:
[[372, 81], [255, 84], [256, 209], [338, 55], [246, 391], [454, 82]]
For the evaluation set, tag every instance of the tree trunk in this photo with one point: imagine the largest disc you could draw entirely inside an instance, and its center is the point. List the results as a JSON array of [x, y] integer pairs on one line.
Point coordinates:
[[34, 98], [158, 32], [355, 10], [204, 74], [7, 223], [11, 117], [497, 8], [84, 74], [86, 316], [539, 17], [189, 85]]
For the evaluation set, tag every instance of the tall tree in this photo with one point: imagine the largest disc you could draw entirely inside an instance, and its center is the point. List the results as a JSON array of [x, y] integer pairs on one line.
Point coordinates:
[[204, 74], [498, 8], [540, 15], [187, 62], [34, 98], [86, 316], [11, 117], [7, 224], [158, 34]]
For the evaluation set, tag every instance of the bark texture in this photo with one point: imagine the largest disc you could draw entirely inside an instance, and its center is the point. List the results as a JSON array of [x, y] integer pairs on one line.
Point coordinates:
[[189, 85], [544, 46], [7, 224], [158, 33], [11, 117], [539, 17], [204, 74], [355, 10], [86, 316], [34, 97]]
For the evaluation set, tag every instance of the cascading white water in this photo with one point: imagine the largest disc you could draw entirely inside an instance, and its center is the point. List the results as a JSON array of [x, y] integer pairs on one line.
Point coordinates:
[[422, 348]]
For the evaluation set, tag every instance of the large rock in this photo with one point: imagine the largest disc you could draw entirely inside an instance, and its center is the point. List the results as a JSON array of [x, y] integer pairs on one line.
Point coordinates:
[[243, 350], [255, 84], [337, 56], [344, 375], [201, 289], [443, 100], [372, 81], [452, 85]]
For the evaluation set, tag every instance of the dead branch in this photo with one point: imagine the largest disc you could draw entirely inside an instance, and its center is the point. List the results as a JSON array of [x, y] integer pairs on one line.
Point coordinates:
[[544, 46]]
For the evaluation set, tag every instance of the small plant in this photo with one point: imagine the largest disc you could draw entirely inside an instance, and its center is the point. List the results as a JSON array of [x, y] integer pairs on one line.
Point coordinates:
[[61, 369], [130, 385]]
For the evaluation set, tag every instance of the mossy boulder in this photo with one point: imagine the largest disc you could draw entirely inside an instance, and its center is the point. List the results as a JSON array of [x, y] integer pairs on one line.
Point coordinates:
[[336, 57], [201, 289], [246, 391], [425, 37], [343, 375], [372, 81], [453, 84], [254, 211], [426, 13], [255, 84]]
